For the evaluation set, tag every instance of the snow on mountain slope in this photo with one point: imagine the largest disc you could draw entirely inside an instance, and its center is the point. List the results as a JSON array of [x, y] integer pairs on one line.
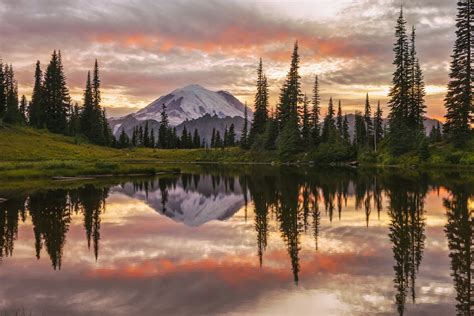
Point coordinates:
[[192, 102]]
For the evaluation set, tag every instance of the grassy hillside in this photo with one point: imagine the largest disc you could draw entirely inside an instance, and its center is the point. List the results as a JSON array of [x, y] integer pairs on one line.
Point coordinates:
[[31, 153]]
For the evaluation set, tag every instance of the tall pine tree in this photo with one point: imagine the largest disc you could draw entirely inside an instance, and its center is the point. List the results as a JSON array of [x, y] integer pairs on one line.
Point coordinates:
[[56, 96], [316, 101], [458, 101], [369, 128], [36, 110], [400, 139], [3, 91], [260, 116]]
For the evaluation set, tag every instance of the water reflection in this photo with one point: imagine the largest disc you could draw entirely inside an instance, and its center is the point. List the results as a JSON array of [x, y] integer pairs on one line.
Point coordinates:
[[293, 203]]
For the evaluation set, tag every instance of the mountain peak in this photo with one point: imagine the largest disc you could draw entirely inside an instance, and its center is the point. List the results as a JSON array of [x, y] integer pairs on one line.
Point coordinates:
[[192, 102]]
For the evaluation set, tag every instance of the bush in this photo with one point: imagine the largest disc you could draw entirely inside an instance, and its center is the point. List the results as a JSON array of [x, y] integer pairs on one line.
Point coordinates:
[[453, 158], [327, 153]]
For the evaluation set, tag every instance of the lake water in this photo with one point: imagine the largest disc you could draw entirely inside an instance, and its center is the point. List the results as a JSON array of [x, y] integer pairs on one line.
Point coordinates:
[[241, 241]]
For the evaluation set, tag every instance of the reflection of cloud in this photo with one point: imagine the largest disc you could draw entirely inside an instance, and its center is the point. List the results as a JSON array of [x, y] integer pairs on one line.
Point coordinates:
[[151, 265]]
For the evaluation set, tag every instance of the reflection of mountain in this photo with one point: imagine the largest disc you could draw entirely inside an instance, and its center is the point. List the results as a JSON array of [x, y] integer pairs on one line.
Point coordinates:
[[193, 204]]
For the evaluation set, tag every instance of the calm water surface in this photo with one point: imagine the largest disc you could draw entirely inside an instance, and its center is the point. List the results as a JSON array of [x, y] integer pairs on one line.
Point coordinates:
[[248, 241]]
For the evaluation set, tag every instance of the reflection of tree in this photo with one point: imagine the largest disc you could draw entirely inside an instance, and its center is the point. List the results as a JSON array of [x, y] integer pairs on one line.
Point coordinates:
[[92, 200], [459, 229], [10, 211], [316, 214], [289, 217], [407, 233], [51, 216]]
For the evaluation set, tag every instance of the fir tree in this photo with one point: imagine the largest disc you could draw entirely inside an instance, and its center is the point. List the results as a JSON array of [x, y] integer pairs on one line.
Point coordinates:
[[369, 127], [184, 138], [163, 131], [378, 126], [316, 101], [346, 137], [261, 105], [458, 101], [244, 142], [231, 136], [213, 138], [306, 123], [3, 90], [291, 95], [196, 139], [340, 120], [36, 110], [226, 136], [146, 136], [23, 110], [124, 140], [360, 132], [56, 96], [329, 125], [218, 141], [75, 120], [12, 113], [399, 133], [152, 138], [417, 107]]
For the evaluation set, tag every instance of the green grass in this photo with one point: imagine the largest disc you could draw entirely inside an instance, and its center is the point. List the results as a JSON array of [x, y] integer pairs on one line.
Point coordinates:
[[27, 153]]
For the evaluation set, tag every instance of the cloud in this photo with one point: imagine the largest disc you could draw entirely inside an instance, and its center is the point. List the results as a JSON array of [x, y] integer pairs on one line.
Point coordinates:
[[147, 48]]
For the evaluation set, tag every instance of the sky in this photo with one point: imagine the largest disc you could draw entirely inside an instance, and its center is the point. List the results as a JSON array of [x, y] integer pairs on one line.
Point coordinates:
[[147, 48]]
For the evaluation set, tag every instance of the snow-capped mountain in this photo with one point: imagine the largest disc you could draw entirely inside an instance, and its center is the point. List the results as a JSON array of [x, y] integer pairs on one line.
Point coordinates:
[[188, 103]]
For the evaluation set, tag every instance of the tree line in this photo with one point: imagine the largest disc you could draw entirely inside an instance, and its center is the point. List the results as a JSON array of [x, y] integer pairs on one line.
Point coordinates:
[[50, 106], [167, 137]]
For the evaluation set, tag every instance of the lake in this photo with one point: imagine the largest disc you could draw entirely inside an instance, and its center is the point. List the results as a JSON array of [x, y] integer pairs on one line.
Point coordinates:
[[241, 240]]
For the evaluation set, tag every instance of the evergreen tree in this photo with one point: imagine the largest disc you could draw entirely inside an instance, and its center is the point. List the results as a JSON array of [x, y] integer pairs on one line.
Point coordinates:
[[261, 105], [346, 137], [328, 133], [369, 127], [89, 120], [184, 138], [56, 96], [146, 136], [458, 101], [315, 130], [74, 121], [124, 140], [400, 139], [306, 123], [152, 138], [340, 120], [244, 142], [436, 135], [12, 113], [213, 138], [231, 136], [134, 137], [360, 132], [271, 134], [289, 139], [36, 110], [196, 139], [417, 107], [378, 126], [3, 91], [290, 97], [218, 141], [107, 131], [163, 131], [226, 136], [23, 110]]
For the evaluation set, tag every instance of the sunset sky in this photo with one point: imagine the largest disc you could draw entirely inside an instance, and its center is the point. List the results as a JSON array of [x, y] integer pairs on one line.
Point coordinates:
[[147, 48]]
